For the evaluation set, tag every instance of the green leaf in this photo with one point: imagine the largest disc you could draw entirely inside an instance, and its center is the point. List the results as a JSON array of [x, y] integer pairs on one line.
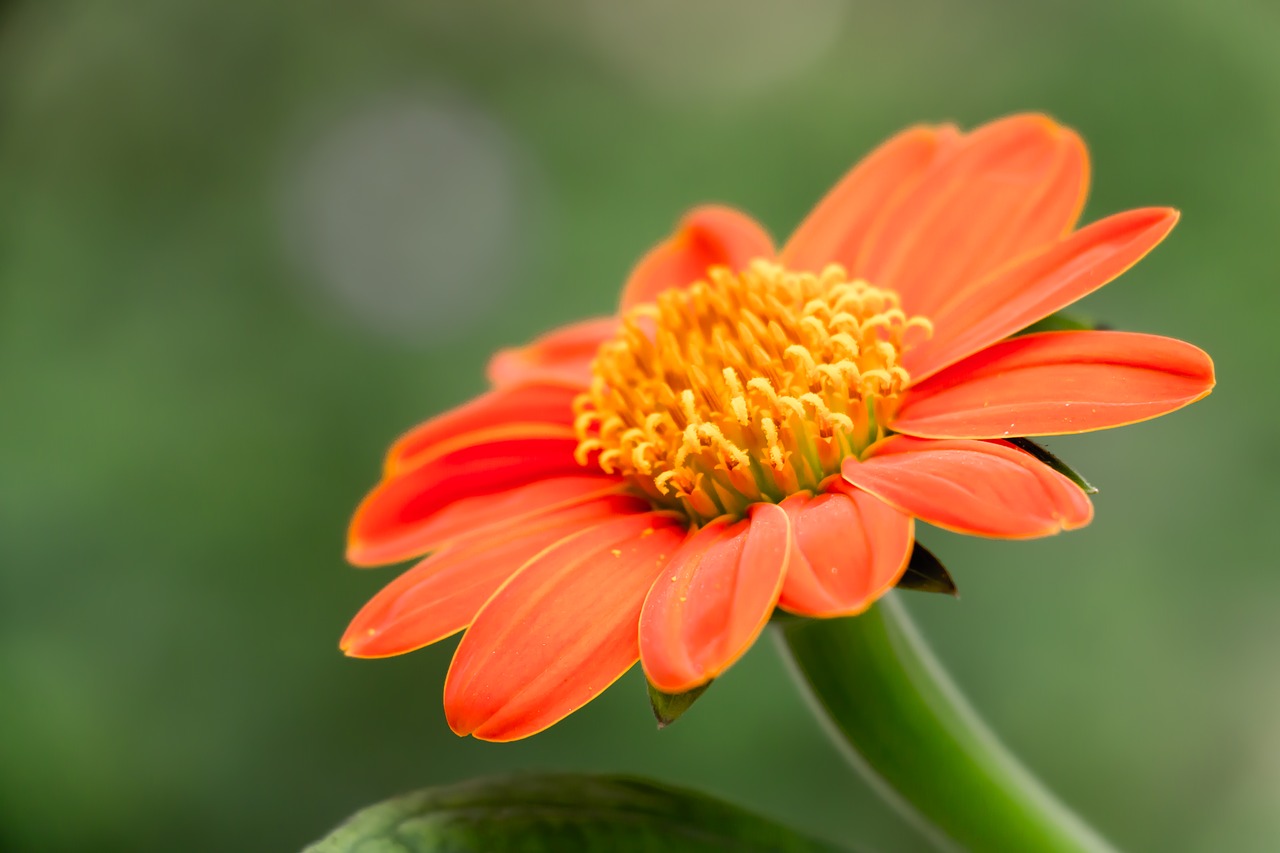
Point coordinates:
[[669, 707], [560, 814], [1055, 463], [925, 573], [1060, 323]]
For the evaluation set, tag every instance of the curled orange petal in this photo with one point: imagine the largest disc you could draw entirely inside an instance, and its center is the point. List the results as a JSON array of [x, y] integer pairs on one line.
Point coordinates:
[[983, 488], [710, 236], [850, 549], [390, 523], [839, 229], [442, 594], [560, 631], [517, 408], [713, 599], [1056, 383], [994, 308], [562, 356]]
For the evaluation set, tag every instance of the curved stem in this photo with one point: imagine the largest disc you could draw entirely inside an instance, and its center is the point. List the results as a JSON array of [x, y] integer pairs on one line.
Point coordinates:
[[915, 738]]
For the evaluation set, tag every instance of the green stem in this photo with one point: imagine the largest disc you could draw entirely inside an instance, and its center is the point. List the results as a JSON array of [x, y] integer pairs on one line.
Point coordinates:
[[915, 738]]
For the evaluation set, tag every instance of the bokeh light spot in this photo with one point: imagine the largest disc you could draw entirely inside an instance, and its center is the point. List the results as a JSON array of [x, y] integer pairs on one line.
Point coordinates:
[[408, 213]]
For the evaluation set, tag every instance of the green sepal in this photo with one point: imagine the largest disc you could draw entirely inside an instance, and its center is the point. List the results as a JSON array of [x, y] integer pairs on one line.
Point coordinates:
[[925, 573], [669, 707], [560, 813], [1060, 322], [1055, 463]]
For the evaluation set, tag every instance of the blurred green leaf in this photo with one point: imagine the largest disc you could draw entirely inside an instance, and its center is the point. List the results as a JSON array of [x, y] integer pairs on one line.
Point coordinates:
[[559, 814], [669, 707], [1055, 463], [925, 573]]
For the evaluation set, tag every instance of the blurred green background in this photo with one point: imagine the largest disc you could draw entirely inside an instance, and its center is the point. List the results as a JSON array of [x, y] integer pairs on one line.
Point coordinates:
[[243, 245]]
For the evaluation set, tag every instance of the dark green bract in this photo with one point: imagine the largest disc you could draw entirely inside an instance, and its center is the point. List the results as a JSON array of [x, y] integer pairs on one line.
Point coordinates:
[[925, 573], [560, 814], [669, 707]]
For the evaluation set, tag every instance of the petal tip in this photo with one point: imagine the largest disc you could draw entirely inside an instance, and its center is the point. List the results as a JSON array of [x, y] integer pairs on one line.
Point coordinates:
[[707, 235], [1032, 121], [1042, 120], [357, 648], [459, 721], [355, 553], [1161, 217], [1085, 518], [367, 555]]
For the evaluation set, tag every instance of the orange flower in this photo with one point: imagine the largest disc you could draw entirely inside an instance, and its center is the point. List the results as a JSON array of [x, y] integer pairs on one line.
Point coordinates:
[[761, 428]]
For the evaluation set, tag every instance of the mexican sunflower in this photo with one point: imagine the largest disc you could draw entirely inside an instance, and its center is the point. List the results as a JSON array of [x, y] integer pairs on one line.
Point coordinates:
[[760, 428]]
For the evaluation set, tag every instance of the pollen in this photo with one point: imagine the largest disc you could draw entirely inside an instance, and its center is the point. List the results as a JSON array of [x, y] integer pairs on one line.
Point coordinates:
[[745, 387]]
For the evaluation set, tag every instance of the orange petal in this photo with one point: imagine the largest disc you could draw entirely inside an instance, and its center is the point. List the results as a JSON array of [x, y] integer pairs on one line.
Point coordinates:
[[710, 236], [837, 229], [713, 599], [1056, 383], [984, 488], [1011, 186], [561, 357], [388, 526], [560, 631], [518, 408], [442, 594], [492, 515], [850, 549], [1034, 288]]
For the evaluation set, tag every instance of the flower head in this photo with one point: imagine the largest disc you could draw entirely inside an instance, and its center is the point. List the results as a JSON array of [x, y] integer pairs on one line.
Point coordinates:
[[759, 429], [745, 387]]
